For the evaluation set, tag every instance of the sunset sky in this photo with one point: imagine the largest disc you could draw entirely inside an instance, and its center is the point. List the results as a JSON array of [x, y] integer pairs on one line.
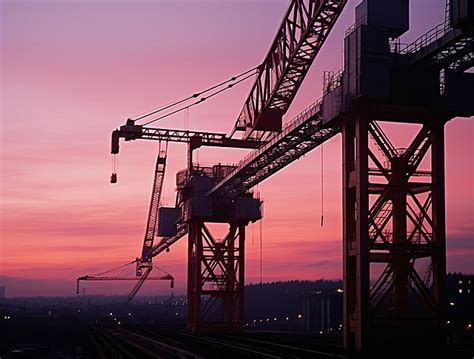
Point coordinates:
[[72, 71]]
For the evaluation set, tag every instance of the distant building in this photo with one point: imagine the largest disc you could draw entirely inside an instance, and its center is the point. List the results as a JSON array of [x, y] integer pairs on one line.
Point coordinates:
[[461, 297], [322, 310], [2, 292], [460, 285], [460, 323]]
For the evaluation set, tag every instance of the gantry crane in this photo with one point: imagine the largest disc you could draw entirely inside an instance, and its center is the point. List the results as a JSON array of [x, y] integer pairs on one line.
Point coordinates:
[[390, 219]]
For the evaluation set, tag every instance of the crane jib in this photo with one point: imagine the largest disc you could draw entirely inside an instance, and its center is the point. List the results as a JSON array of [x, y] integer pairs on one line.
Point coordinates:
[[301, 35]]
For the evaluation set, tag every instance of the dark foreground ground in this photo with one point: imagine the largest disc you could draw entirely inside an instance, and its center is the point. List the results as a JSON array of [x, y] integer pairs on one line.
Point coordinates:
[[75, 338], [90, 326]]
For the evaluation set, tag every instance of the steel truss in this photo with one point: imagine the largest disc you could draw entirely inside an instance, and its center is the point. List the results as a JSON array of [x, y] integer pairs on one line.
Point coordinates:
[[303, 31], [455, 52], [145, 261], [215, 278], [464, 63], [131, 132], [443, 47], [394, 229], [295, 140], [165, 242]]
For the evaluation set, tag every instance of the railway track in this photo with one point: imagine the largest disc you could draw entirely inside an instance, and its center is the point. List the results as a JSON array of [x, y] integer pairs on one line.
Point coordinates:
[[126, 342], [108, 345], [287, 350]]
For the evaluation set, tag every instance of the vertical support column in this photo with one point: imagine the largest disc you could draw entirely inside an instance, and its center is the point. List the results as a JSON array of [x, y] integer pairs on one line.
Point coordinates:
[[402, 228], [194, 144], [229, 295], [241, 270], [439, 220], [216, 278], [400, 260], [355, 233], [194, 275]]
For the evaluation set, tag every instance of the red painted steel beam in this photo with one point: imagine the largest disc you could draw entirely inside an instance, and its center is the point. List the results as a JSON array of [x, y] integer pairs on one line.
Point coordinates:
[[302, 33]]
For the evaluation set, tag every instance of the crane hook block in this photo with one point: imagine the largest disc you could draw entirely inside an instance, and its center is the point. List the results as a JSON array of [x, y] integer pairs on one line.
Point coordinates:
[[172, 284], [113, 178], [115, 142]]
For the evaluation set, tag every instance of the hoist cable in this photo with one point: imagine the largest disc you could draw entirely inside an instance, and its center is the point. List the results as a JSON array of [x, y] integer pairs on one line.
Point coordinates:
[[253, 234], [161, 270], [116, 268], [202, 99], [195, 95], [322, 184], [261, 253]]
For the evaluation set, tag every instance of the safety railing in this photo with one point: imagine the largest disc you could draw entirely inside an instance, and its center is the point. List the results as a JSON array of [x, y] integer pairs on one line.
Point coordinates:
[[424, 40], [359, 22], [331, 80]]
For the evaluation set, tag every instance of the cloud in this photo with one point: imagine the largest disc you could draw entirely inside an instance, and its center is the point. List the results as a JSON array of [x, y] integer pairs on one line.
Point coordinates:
[[464, 241]]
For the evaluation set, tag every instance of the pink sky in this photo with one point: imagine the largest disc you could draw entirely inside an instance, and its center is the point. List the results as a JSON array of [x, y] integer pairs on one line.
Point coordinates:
[[73, 71]]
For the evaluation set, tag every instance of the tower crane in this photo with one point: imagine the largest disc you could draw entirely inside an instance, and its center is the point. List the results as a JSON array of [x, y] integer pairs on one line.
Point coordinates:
[[195, 139], [216, 268], [144, 264]]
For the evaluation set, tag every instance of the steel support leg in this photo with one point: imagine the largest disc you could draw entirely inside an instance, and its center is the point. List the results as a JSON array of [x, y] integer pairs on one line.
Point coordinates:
[[394, 237], [355, 234], [439, 221], [215, 278]]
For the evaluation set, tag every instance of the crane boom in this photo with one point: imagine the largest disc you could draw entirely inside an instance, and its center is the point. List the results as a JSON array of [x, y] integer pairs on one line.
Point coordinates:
[[297, 138], [140, 282], [151, 223], [145, 261], [166, 242], [131, 132], [302, 33]]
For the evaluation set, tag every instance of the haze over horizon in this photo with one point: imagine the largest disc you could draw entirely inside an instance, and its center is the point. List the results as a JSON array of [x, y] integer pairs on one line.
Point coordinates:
[[74, 71]]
